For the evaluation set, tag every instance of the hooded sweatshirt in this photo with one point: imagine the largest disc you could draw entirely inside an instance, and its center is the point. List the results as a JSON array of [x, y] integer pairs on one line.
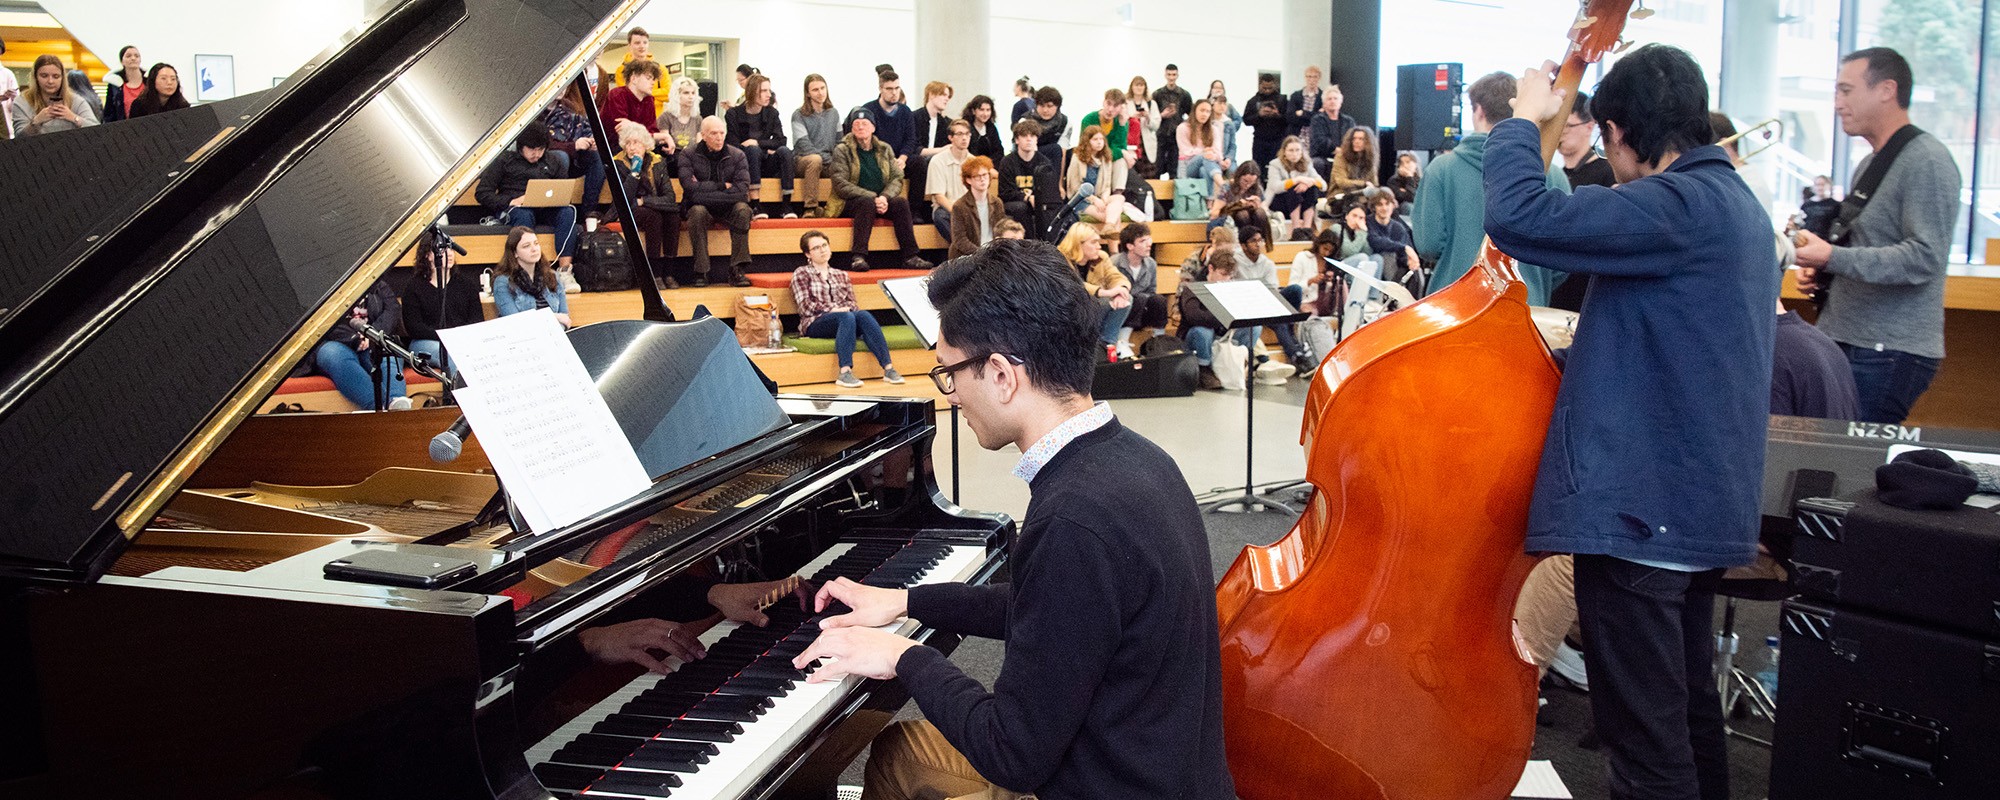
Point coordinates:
[[1450, 217]]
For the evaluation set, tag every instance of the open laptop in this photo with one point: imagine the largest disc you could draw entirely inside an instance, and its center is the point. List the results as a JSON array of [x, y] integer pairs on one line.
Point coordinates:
[[548, 193]]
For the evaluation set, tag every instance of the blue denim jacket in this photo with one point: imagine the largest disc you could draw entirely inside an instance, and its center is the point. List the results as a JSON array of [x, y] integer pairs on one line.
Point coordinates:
[[509, 300], [1655, 451]]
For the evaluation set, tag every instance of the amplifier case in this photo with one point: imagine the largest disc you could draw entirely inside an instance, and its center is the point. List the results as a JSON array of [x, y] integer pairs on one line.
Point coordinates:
[[1933, 567]]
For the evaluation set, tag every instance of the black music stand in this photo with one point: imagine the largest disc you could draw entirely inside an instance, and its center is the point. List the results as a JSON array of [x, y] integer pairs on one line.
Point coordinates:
[[1239, 305], [911, 299]]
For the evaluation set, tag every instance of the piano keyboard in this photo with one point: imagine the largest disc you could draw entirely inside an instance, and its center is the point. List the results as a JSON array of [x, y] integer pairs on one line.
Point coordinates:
[[713, 728]]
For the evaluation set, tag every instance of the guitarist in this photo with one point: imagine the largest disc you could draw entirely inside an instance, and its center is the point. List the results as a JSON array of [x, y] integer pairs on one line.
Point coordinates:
[[1655, 451], [1889, 244]]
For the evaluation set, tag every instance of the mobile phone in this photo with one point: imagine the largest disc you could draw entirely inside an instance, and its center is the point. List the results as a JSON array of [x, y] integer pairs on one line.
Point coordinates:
[[400, 568]]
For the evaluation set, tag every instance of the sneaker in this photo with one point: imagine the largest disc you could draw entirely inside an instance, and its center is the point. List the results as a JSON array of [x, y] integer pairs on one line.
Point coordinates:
[[1207, 378], [917, 262], [847, 380], [1124, 350], [857, 264], [1272, 373], [846, 792], [667, 284], [791, 211], [399, 404], [1568, 665], [569, 284], [890, 375]]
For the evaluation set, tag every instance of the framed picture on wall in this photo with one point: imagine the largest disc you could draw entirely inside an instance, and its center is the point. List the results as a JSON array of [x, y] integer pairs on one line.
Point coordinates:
[[674, 68], [214, 78]]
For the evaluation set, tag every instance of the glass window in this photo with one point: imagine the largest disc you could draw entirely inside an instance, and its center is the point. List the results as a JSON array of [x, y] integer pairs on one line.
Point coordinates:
[[1940, 38]]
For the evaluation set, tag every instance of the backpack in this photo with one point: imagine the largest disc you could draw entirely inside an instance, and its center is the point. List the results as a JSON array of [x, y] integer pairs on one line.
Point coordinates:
[[1190, 199], [1165, 344], [602, 264]]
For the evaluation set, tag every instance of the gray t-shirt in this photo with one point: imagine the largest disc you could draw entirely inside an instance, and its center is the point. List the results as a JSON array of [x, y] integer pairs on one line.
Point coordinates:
[[1888, 289]]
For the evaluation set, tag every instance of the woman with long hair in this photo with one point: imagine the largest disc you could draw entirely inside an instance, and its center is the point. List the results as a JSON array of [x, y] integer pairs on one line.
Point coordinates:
[[123, 85], [1355, 163], [1292, 187], [986, 138], [366, 376], [755, 127], [1232, 119], [682, 117], [163, 91], [428, 309], [815, 130], [525, 280], [79, 86], [1200, 140], [1083, 248], [1142, 126], [1091, 164], [1241, 201], [48, 105]]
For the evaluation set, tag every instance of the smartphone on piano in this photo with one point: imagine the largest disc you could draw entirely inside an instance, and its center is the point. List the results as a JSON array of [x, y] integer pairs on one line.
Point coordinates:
[[398, 568]]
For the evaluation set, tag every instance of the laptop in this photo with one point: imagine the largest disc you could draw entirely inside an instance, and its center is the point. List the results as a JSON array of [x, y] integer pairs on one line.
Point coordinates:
[[548, 193]]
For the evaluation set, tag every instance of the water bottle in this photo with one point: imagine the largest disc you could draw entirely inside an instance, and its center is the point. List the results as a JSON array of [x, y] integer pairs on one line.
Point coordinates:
[[777, 330], [1768, 676]]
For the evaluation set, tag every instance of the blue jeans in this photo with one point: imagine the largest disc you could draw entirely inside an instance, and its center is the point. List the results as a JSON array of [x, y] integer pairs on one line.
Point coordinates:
[[841, 326], [344, 364], [1111, 321], [1199, 167], [941, 217], [432, 348], [589, 167], [1202, 341], [781, 161], [1888, 381], [562, 218]]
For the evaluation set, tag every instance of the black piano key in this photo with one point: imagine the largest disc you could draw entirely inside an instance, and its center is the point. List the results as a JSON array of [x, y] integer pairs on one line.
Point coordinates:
[[692, 752], [756, 686], [665, 762], [723, 714], [566, 777], [644, 784], [697, 730]]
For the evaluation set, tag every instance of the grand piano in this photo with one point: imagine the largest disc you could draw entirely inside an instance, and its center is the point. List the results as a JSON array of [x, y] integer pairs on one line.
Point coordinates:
[[168, 627]]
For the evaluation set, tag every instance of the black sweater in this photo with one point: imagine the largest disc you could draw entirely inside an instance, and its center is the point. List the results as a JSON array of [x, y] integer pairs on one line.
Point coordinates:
[[422, 302], [1112, 681], [1018, 178], [765, 126]]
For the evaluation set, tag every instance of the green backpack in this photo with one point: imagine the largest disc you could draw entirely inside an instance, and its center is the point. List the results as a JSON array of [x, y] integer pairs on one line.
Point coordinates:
[[1190, 199]]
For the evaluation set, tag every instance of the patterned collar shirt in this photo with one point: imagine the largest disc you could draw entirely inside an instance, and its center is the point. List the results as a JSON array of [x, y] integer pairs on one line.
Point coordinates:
[[1051, 443]]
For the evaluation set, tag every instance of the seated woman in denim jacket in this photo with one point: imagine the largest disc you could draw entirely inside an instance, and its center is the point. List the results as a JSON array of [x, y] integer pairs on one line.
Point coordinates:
[[524, 280]]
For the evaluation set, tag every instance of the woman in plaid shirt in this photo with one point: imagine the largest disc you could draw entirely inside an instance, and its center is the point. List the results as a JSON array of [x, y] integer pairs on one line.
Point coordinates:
[[827, 308]]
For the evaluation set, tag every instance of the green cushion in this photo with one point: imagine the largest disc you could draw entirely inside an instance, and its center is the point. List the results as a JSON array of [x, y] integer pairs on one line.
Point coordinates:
[[901, 337]]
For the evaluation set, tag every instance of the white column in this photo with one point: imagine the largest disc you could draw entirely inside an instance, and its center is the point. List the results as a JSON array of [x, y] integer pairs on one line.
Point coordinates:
[[1308, 27], [953, 40], [1749, 80]]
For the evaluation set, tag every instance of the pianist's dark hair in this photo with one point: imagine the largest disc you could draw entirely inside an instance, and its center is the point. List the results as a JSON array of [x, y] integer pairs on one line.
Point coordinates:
[[1659, 98], [1020, 298]]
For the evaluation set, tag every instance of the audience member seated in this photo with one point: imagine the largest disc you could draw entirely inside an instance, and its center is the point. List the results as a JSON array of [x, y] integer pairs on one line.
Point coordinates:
[[1095, 180], [1254, 245], [1194, 268], [1322, 286], [1028, 184], [504, 186], [977, 215], [1390, 237], [1199, 326], [123, 85], [931, 129], [427, 309], [1264, 112], [573, 149], [48, 106], [655, 210], [894, 122], [815, 130], [1055, 135], [1404, 183], [945, 183], [162, 92], [1354, 166], [364, 375], [1327, 130], [869, 178], [828, 310], [1241, 201], [1135, 262], [1083, 247], [79, 86], [1024, 100], [524, 280], [1199, 142], [1292, 188], [634, 101], [715, 187], [754, 127], [1231, 119], [1109, 120], [1007, 228], [681, 121], [987, 138]]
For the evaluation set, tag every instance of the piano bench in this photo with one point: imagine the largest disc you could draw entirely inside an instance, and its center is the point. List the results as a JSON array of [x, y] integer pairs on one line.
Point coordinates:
[[901, 337]]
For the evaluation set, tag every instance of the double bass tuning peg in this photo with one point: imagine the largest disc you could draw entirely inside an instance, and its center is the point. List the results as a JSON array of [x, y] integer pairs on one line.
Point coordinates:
[[1623, 45], [1642, 12]]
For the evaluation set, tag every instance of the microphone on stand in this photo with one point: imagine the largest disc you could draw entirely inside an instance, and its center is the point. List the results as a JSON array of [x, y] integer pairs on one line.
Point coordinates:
[[446, 446]]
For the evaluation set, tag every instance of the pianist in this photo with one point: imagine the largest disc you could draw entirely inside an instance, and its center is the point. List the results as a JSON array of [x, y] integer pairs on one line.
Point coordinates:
[[1111, 686]]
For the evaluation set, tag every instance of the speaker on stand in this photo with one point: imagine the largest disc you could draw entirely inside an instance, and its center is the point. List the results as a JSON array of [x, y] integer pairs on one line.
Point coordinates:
[[1427, 107]]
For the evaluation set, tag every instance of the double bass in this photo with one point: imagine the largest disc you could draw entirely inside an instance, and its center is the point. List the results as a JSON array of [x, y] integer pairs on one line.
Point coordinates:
[[1369, 653]]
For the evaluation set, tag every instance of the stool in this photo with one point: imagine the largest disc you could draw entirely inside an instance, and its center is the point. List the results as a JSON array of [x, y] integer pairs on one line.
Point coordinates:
[[1732, 683]]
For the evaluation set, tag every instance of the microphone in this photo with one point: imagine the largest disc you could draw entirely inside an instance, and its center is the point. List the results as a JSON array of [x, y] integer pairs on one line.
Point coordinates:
[[446, 446]]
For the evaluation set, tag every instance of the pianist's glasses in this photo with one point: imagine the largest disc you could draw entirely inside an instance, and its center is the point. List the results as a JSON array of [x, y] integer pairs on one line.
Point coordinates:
[[942, 375]]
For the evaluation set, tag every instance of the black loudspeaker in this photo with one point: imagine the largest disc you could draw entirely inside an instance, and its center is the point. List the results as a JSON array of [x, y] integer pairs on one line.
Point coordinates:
[[1427, 116], [709, 97]]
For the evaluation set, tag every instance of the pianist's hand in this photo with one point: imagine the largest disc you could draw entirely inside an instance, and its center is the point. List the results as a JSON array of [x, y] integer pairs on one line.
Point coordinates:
[[745, 602], [872, 606], [866, 652], [635, 643]]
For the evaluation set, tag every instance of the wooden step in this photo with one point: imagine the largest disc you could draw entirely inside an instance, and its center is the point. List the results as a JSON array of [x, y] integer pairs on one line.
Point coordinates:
[[797, 369]]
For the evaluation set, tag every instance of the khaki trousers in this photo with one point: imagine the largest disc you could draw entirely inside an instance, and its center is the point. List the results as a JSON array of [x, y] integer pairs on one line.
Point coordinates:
[[912, 761], [1546, 609], [807, 189]]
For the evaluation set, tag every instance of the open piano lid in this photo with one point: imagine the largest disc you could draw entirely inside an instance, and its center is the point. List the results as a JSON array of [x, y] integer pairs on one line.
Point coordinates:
[[160, 276]]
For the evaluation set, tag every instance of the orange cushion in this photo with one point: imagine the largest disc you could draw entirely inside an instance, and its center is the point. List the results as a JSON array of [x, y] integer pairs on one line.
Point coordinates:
[[781, 280]]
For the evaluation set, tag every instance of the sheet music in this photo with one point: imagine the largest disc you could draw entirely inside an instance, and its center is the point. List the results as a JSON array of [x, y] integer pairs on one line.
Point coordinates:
[[1249, 299], [912, 297], [538, 415], [1540, 780]]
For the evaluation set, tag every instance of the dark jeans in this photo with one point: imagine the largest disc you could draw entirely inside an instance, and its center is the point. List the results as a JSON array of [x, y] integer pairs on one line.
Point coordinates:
[[1888, 381], [863, 213], [587, 166], [1284, 203], [737, 216], [842, 326], [1648, 646], [780, 160], [662, 233], [1036, 219]]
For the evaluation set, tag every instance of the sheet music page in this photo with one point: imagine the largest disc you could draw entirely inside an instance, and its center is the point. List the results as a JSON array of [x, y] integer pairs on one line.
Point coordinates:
[[1249, 300], [538, 415], [913, 299], [1540, 780]]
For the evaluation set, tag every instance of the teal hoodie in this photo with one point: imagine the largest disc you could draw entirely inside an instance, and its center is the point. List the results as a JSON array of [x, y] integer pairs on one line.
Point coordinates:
[[1449, 220]]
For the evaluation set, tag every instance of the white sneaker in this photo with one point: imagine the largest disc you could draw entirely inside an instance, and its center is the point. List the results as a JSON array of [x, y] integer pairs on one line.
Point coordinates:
[[1568, 664], [569, 284], [890, 375], [1124, 350], [1272, 373], [399, 404]]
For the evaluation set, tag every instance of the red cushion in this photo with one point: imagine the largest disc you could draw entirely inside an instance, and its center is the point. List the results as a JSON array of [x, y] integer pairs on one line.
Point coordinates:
[[321, 383], [781, 280]]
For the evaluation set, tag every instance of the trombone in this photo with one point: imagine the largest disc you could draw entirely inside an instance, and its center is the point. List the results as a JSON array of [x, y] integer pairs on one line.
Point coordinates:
[[1769, 132]]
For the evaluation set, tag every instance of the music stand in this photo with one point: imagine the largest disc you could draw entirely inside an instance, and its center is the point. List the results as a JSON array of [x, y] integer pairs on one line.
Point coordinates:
[[911, 298], [1239, 305]]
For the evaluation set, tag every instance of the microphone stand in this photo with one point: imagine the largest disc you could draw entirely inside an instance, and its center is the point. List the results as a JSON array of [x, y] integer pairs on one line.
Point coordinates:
[[418, 361], [441, 274]]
